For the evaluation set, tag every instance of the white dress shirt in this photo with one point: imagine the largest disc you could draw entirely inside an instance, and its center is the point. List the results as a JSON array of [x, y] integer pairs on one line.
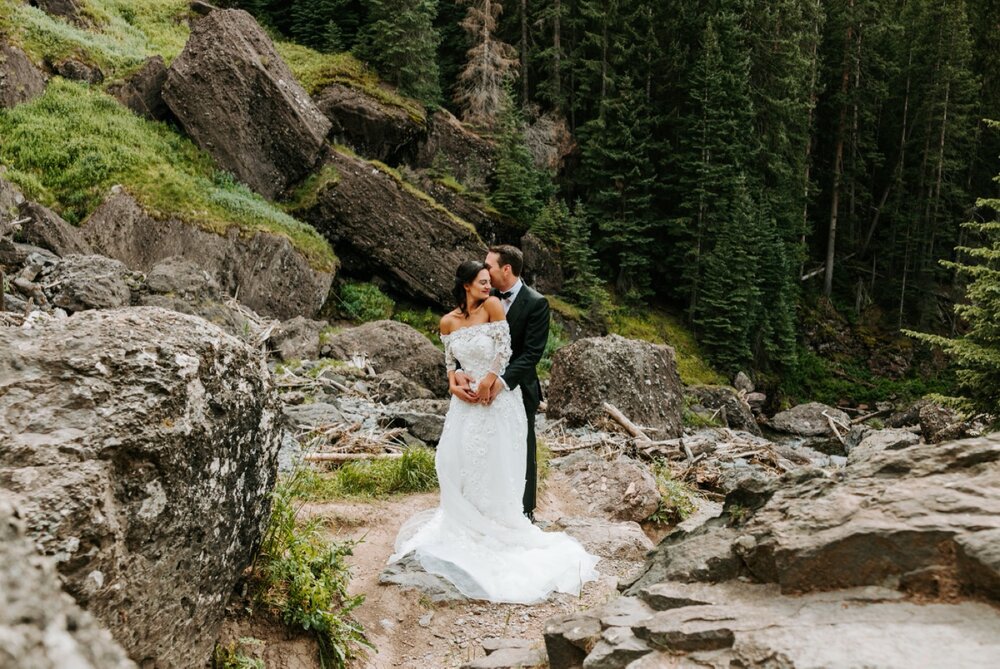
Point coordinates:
[[513, 296]]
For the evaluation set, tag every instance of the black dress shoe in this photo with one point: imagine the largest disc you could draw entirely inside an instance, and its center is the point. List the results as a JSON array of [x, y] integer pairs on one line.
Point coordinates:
[[530, 515]]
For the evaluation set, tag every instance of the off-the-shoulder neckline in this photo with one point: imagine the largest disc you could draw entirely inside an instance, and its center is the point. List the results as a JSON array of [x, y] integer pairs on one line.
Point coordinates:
[[470, 327]]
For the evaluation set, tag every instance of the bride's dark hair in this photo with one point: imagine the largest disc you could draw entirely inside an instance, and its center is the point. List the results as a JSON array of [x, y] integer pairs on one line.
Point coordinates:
[[464, 275]]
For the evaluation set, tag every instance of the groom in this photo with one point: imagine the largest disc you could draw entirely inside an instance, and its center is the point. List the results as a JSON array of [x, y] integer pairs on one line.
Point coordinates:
[[528, 317]]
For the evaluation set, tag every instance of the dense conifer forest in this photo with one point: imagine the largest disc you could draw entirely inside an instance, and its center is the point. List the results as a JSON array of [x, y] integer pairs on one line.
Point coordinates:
[[733, 158]]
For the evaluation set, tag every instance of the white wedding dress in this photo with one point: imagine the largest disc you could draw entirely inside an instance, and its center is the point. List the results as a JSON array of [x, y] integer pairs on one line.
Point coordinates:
[[478, 537]]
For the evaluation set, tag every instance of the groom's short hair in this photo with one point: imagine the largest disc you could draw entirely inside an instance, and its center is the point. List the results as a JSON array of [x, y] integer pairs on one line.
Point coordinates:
[[509, 255]]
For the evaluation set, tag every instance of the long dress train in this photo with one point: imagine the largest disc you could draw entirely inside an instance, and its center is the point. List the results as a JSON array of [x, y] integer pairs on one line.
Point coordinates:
[[477, 537]]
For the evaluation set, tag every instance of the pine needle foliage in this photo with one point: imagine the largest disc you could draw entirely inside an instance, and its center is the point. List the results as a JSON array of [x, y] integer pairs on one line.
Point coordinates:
[[490, 64], [977, 352]]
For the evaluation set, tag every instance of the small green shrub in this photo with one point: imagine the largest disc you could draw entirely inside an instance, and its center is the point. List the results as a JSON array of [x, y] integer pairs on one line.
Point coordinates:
[[364, 302], [414, 472], [427, 322], [303, 577], [676, 499], [234, 655], [543, 463]]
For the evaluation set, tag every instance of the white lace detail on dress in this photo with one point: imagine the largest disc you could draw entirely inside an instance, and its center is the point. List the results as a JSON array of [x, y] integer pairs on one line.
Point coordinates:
[[478, 537], [498, 331]]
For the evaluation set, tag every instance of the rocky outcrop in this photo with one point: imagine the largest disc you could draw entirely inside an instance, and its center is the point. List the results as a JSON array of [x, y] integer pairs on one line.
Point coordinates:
[[297, 339], [809, 420], [542, 269], [238, 100], [748, 625], [727, 405], [373, 128], [617, 540], [898, 515], [380, 223], [89, 282], [390, 345], [142, 91], [41, 626], [492, 226], [141, 446], [618, 490], [550, 141], [64, 9], [637, 377], [47, 229], [272, 277], [78, 70], [875, 441], [452, 147], [20, 79]]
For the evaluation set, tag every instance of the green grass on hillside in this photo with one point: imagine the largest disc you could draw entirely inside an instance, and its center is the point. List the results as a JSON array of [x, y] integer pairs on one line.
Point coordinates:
[[315, 70], [662, 328], [121, 34], [68, 147]]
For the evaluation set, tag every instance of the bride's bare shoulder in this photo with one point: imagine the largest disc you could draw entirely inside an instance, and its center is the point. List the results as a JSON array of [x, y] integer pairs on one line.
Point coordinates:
[[449, 322], [495, 309]]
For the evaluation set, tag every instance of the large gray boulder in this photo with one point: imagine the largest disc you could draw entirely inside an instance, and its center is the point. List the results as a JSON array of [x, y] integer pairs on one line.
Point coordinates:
[[271, 276], [811, 420], [390, 345], [375, 129], [89, 282], [141, 445], [20, 79], [542, 268], [40, 625], [637, 377], [380, 223], [238, 100]]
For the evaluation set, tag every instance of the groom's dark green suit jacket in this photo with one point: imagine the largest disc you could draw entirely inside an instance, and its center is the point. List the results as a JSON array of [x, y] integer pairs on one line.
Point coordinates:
[[528, 318]]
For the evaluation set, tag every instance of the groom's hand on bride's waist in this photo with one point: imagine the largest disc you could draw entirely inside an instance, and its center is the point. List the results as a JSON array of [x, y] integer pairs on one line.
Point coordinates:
[[462, 388]]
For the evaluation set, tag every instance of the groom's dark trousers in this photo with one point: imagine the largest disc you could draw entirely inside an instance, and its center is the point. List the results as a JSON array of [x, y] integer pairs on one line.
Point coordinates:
[[528, 318]]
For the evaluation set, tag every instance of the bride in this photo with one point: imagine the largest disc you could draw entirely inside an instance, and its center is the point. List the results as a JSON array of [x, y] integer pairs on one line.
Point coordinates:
[[478, 537]]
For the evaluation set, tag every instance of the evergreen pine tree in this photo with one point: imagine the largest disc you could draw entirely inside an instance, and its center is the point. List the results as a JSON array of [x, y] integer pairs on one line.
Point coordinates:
[[401, 42], [521, 188], [620, 179], [977, 352], [568, 234]]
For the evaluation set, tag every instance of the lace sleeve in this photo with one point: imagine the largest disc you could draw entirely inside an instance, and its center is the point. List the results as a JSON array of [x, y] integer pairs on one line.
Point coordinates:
[[449, 357], [501, 336]]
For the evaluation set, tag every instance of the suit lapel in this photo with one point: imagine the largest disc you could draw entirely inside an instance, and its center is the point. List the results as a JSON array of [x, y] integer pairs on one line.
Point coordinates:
[[518, 305]]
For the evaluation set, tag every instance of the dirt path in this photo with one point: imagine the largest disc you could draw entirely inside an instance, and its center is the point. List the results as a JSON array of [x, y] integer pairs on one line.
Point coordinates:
[[409, 630]]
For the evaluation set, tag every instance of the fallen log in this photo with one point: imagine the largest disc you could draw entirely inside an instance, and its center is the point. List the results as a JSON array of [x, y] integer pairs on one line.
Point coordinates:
[[347, 457]]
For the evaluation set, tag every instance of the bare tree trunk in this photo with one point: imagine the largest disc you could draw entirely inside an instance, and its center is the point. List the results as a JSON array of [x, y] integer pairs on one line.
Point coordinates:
[[838, 164], [897, 175], [557, 57], [814, 64], [604, 60], [524, 53], [940, 170]]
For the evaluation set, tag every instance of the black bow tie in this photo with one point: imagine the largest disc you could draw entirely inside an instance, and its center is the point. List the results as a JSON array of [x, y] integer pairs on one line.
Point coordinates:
[[504, 296]]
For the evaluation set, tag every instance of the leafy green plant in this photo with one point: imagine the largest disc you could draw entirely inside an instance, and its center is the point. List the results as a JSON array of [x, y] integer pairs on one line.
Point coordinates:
[[234, 655], [543, 463], [413, 472], [303, 577], [676, 499], [364, 302]]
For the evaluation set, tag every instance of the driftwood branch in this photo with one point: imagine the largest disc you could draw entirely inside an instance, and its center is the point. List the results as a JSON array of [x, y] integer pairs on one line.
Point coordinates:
[[833, 426], [347, 457], [861, 419], [642, 440]]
